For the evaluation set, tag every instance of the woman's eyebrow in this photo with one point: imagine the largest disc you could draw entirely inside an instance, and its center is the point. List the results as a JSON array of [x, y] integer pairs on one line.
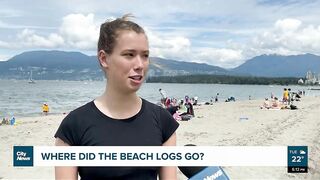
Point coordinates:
[[134, 50]]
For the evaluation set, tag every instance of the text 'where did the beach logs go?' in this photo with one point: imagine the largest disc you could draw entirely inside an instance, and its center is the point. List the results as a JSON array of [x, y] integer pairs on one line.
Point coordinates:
[[150, 155]]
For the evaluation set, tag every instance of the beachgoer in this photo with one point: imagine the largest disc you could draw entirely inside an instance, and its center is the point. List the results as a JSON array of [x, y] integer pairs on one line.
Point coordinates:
[[181, 103], [216, 98], [174, 102], [164, 97], [190, 109], [173, 109], [289, 96], [211, 101], [12, 120], [119, 117], [266, 104], [195, 102], [167, 102], [163, 93], [285, 95], [3, 121], [275, 104], [231, 98], [45, 108]]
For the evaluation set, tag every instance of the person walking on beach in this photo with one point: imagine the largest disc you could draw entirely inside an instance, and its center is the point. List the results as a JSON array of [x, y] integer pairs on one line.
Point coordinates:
[[119, 117], [285, 95], [290, 96], [216, 98]]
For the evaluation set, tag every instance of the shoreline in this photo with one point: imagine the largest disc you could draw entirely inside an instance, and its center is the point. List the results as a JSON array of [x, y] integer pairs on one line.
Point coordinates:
[[201, 103], [219, 124]]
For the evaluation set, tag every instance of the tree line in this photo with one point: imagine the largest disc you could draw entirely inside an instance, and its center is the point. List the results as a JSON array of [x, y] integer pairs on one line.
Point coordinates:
[[223, 79]]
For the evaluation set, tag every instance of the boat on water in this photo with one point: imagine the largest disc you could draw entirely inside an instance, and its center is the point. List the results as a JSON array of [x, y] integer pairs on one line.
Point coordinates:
[[31, 81]]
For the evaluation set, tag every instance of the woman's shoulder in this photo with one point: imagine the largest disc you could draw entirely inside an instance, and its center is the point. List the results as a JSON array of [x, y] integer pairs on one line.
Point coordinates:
[[151, 106], [155, 109], [82, 110]]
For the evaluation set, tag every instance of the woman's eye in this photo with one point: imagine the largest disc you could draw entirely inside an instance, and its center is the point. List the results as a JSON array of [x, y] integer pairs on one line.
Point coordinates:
[[129, 54]]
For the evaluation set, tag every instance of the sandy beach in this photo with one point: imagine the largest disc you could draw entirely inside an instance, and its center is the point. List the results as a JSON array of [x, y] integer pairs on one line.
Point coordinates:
[[219, 124]]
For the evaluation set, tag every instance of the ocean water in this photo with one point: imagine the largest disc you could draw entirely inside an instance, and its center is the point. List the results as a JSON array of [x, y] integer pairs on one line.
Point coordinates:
[[19, 98]]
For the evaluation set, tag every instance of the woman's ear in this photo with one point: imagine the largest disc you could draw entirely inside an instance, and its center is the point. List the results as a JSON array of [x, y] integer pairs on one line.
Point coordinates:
[[103, 59]]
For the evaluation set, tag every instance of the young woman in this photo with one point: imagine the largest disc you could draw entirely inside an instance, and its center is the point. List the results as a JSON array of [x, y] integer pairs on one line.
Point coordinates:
[[119, 117]]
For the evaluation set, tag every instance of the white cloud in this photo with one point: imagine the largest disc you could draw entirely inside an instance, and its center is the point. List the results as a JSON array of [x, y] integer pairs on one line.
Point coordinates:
[[289, 36], [80, 31], [30, 39], [222, 57], [289, 24], [180, 48], [169, 47], [76, 31], [5, 45], [286, 37]]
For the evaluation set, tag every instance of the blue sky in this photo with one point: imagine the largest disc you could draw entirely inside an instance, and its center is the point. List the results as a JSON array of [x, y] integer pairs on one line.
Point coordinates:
[[222, 33]]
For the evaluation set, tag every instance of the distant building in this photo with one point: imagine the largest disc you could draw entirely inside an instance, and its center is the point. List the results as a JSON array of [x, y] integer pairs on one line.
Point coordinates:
[[312, 78]]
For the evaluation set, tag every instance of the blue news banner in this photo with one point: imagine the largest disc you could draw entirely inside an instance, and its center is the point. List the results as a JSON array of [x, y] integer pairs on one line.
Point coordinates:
[[297, 159]]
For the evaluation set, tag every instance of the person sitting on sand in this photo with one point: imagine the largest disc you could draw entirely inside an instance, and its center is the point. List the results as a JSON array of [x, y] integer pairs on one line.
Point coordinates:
[[5, 121], [181, 103], [276, 104], [172, 109], [174, 112], [195, 100], [266, 104], [167, 102], [231, 98], [174, 102], [189, 107]]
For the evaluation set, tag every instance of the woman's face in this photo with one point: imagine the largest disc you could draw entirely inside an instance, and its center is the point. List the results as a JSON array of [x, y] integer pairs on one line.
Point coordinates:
[[128, 63]]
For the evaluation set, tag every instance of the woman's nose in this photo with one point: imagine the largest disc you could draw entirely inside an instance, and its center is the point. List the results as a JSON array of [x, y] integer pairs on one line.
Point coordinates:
[[139, 62]]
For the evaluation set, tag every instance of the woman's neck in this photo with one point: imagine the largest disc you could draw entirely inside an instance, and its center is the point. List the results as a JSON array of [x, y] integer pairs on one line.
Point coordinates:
[[119, 98], [119, 105]]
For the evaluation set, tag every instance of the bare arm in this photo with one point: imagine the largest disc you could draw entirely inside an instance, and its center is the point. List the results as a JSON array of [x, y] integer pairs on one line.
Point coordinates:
[[65, 172], [169, 172]]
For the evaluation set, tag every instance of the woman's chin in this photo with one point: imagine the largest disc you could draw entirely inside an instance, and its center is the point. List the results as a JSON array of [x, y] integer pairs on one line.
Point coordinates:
[[132, 89]]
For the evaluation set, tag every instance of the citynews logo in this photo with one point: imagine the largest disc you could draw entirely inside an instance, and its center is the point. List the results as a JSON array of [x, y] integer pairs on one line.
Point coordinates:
[[22, 155]]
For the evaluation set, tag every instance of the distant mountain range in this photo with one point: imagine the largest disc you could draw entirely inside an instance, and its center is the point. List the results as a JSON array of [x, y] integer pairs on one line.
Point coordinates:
[[51, 65], [166, 67], [60, 65], [280, 66]]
